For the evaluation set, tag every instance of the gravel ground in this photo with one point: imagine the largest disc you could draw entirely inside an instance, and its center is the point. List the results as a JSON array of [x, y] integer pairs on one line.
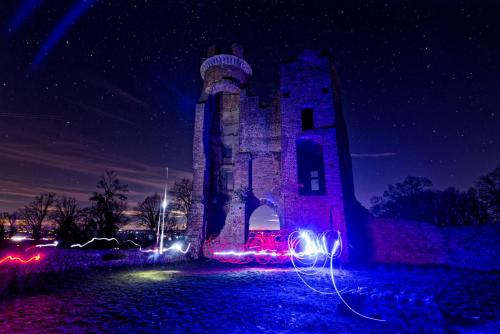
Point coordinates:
[[210, 297]]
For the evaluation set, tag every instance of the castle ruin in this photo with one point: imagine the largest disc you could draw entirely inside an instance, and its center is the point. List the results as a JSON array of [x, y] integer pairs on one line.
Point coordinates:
[[290, 157]]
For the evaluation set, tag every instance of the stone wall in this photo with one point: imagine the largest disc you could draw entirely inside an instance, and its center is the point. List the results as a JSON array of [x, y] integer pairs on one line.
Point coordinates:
[[259, 127], [306, 84], [196, 225], [410, 242], [474, 247]]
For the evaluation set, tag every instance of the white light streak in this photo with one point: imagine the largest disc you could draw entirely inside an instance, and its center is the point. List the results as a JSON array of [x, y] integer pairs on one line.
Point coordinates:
[[54, 244], [177, 246], [94, 239]]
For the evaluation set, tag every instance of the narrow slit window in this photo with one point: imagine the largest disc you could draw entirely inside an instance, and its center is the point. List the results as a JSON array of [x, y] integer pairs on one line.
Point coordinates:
[[229, 181], [228, 152], [307, 119]]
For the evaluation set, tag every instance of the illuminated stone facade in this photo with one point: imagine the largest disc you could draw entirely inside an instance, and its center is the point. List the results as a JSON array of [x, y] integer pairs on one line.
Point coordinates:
[[291, 154]]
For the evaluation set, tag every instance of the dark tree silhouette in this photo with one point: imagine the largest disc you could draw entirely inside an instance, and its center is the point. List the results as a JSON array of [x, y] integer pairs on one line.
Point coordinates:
[[9, 219], [413, 200], [399, 200], [66, 215], [88, 226], [455, 207], [148, 211], [35, 213], [108, 205], [182, 192], [12, 220], [489, 193], [2, 232]]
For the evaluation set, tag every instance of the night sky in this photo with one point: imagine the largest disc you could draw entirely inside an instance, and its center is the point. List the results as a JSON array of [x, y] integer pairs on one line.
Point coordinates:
[[89, 85]]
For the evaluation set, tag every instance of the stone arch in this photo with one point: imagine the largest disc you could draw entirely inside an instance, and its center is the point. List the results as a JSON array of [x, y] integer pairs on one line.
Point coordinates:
[[272, 204], [264, 217]]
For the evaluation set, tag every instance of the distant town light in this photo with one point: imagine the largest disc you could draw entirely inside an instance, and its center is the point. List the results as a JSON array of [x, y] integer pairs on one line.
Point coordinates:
[[18, 238]]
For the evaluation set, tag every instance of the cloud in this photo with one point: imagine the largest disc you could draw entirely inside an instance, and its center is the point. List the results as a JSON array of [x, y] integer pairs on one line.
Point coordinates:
[[373, 155], [107, 85], [99, 111], [71, 168]]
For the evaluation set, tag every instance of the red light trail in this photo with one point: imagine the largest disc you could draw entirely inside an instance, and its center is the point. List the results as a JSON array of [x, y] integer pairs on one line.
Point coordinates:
[[20, 260], [263, 247]]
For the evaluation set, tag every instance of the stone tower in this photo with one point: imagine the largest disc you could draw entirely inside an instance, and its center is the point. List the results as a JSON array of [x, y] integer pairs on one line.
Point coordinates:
[[291, 155]]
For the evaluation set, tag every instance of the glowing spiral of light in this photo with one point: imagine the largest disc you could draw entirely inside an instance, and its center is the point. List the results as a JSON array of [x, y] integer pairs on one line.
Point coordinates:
[[311, 253]]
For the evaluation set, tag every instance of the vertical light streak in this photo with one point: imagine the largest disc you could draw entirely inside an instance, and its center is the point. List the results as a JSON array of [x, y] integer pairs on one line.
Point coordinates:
[[164, 210]]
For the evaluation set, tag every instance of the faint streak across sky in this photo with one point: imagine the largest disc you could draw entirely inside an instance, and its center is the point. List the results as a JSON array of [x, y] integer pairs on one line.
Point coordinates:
[[373, 155], [31, 116], [60, 29], [99, 111]]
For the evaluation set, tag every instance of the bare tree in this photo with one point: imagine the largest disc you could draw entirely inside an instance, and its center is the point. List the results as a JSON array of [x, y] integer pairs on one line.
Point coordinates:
[[35, 213], [182, 192], [66, 215], [148, 211], [109, 205]]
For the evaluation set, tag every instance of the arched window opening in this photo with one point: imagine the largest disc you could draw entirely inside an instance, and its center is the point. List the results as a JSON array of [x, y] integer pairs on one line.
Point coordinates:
[[264, 218]]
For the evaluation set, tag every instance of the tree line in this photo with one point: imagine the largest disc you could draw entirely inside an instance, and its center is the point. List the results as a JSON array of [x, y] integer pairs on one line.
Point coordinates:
[[103, 218], [413, 199]]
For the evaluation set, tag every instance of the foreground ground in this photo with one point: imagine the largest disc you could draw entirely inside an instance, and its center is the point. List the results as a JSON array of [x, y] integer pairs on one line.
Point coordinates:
[[209, 297]]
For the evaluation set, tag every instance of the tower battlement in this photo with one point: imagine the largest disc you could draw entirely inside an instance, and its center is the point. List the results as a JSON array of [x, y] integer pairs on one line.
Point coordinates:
[[223, 72]]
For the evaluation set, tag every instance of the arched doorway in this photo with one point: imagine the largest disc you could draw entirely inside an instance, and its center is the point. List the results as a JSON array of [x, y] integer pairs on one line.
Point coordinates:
[[264, 218]]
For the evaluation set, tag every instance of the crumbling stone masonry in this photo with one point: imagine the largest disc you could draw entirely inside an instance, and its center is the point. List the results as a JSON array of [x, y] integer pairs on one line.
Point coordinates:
[[291, 155]]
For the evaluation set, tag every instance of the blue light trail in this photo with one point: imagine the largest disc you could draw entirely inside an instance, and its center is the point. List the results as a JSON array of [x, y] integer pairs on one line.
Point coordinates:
[[60, 29], [25, 9]]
